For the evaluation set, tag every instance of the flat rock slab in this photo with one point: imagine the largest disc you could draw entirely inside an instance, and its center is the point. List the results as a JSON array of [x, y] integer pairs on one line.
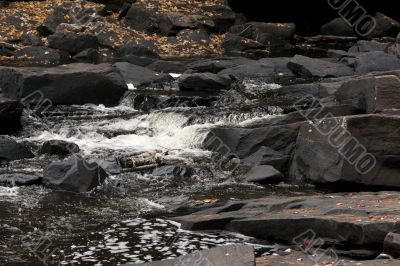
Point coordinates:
[[232, 255], [312, 67], [63, 85], [352, 218]]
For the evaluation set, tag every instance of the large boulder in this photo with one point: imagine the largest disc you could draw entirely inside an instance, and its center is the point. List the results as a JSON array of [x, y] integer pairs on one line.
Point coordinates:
[[11, 150], [371, 94], [39, 55], [10, 115], [357, 149], [313, 67], [351, 219], [73, 43], [139, 76], [74, 174], [385, 26], [203, 82], [64, 85], [141, 18], [375, 61], [171, 24]]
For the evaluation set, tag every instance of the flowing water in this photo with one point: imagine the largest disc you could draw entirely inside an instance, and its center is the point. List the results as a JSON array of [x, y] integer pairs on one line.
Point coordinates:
[[128, 219]]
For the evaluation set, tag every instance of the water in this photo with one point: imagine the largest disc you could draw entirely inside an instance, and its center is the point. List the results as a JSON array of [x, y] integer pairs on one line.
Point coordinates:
[[128, 218]]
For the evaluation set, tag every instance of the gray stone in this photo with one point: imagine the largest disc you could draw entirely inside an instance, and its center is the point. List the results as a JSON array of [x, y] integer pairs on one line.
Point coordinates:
[[263, 174], [391, 245], [10, 150], [203, 82], [376, 61]]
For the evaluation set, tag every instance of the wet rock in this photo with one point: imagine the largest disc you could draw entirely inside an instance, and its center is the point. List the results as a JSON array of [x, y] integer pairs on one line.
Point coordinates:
[[73, 43], [19, 179], [371, 94], [349, 219], [338, 27], [74, 174], [59, 147], [163, 66], [10, 150], [89, 55], [376, 61], [10, 115], [264, 174], [391, 245], [39, 55], [312, 67], [269, 157], [139, 76], [266, 69], [299, 91], [109, 164], [265, 33], [363, 46], [218, 64], [171, 24], [173, 171], [231, 255], [64, 85], [357, 149], [203, 82]]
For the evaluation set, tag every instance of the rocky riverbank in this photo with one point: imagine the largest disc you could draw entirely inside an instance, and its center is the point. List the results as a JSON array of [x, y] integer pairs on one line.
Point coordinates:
[[121, 119]]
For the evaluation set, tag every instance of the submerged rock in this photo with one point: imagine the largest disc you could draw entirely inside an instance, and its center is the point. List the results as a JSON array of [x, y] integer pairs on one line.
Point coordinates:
[[59, 147], [10, 115], [11, 150], [74, 174], [231, 255]]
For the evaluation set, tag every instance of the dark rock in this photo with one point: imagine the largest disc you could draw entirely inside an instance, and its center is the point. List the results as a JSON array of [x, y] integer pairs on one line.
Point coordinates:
[[38, 55], [171, 24], [109, 164], [371, 94], [264, 174], [73, 43], [391, 245], [299, 91], [64, 85], [218, 64], [363, 46], [173, 171], [265, 33], [139, 76], [10, 115], [163, 66], [59, 147], [74, 174], [58, 16], [31, 39], [234, 43], [90, 55], [385, 26], [332, 218], [141, 18], [200, 35], [6, 49], [266, 69], [19, 179], [10, 150], [142, 61], [222, 16], [358, 149], [376, 61], [338, 27], [230, 255], [137, 50], [267, 156], [203, 82], [312, 67]]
